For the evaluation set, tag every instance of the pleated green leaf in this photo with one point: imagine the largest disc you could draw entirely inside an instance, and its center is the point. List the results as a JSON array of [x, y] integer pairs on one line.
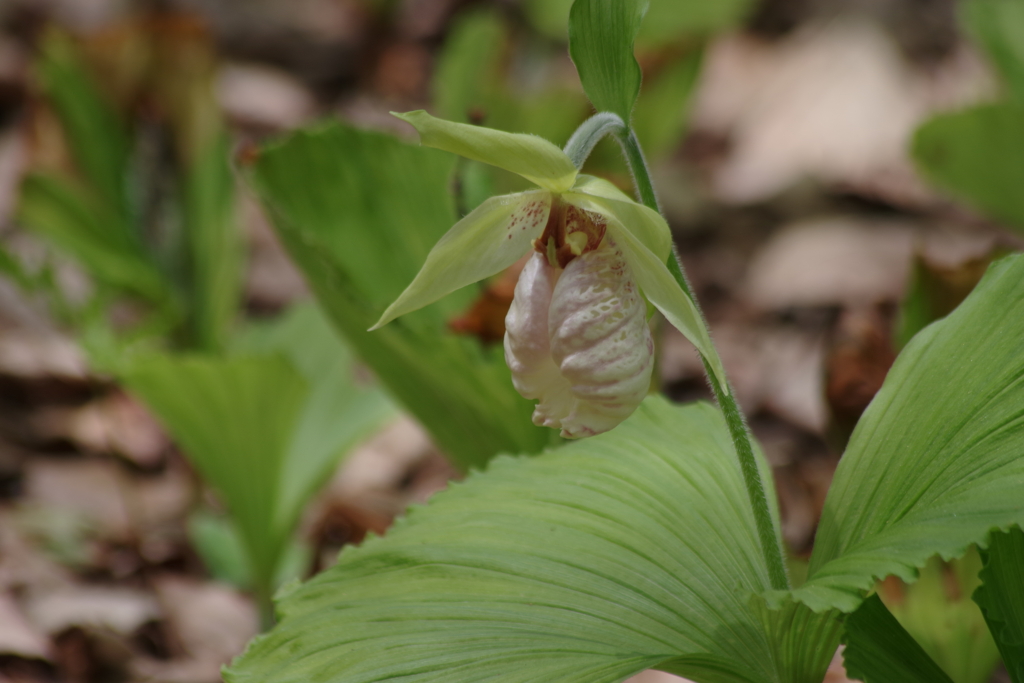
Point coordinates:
[[1001, 598], [359, 212], [879, 650], [601, 37], [977, 155], [937, 460], [264, 426], [630, 550]]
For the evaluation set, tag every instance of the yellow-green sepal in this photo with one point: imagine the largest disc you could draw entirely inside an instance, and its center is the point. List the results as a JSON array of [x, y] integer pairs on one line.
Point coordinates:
[[661, 289], [489, 239], [600, 196], [532, 157]]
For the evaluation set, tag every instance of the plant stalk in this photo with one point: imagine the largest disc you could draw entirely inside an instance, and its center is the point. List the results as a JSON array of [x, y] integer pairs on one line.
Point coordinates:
[[590, 132], [771, 548]]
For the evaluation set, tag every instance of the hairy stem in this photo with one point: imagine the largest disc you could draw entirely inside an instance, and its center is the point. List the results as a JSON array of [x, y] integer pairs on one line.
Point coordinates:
[[590, 132], [771, 547]]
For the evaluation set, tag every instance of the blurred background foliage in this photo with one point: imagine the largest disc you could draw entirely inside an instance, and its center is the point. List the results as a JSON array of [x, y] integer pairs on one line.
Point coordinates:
[[837, 174]]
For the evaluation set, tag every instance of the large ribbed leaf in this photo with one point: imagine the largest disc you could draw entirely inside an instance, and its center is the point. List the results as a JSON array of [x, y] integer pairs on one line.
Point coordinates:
[[359, 212], [937, 460], [630, 550]]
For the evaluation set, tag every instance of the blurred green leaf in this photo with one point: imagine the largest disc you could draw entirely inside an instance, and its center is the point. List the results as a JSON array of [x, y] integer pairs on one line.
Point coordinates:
[[218, 544], [99, 138], [467, 66], [86, 229], [234, 418], [977, 155], [359, 211], [208, 208], [934, 292], [999, 26], [601, 37], [661, 111], [265, 426], [1001, 597], [630, 550], [937, 611], [668, 21], [936, 460], [221, 549], [879, 650], [341, 411]]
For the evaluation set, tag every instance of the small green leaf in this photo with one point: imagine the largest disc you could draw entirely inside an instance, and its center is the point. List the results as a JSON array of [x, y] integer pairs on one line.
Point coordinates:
[[936, 461], [669, 21], [1001, 598], [265, 426], [601, 37], [630, 550], [532, 157], [879, 650], [359, 212], [999, 26], [977, 155]]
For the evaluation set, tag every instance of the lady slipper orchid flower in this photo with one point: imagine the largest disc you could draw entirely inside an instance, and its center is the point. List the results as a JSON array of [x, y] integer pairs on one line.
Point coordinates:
[[576, 337]]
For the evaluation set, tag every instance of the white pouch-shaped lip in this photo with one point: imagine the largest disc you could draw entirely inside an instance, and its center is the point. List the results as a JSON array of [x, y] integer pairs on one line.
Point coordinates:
[[577, 340]]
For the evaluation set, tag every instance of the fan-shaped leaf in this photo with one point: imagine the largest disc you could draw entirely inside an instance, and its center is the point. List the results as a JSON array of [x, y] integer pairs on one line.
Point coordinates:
[[631, 550], [937, 460]]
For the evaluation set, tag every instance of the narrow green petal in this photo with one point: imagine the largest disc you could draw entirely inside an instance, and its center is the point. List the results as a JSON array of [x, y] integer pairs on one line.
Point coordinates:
[[596, 194], [661, 289], [488, 240], [532, 157]]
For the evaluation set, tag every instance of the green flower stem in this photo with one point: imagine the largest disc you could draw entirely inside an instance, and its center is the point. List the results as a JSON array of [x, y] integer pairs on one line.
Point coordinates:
[[590, 132], [771, 548]]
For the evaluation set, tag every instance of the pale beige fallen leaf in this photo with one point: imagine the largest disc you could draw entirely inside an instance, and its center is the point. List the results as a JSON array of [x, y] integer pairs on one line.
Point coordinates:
[[29, 353], [272, 281], [831, 261], [114, 608], [379, 465], [771, 368], [89, 487], [115, 423], [260, 96], [22, 564], [210, 624], [834, 101], [17, 635]]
